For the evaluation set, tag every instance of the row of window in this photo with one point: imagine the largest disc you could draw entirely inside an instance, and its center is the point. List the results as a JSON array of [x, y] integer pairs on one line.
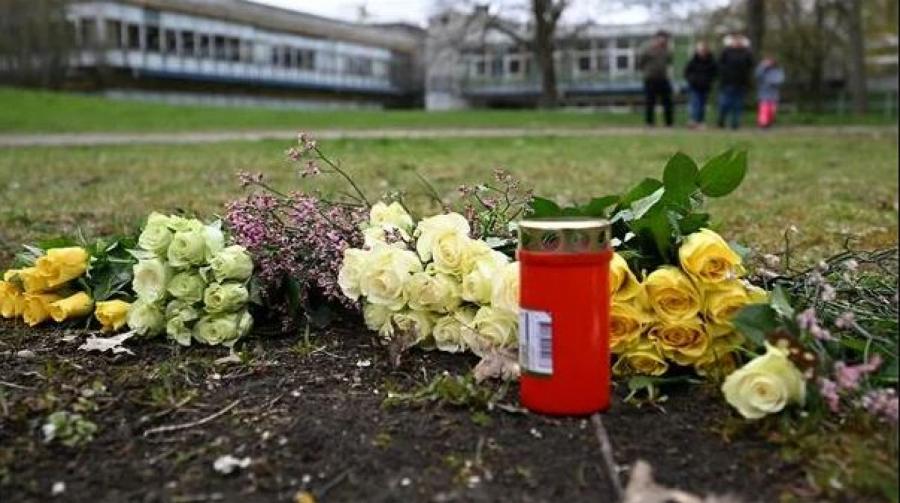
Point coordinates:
[[513, 67], [187, 43]]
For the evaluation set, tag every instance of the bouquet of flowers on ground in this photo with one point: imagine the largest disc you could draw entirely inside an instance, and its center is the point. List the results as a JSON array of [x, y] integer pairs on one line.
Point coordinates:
[[429, 283], [58, 281], [189, 285]]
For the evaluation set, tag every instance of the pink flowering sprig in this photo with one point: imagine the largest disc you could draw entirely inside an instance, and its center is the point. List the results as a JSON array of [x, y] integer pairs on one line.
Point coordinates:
[[491, 207], [308, 153]]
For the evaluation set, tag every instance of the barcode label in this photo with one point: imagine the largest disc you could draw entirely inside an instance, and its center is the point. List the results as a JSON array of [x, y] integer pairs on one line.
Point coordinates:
[[536, 341]]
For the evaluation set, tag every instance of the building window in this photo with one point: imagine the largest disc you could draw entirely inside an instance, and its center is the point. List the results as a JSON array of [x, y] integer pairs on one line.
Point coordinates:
[[205, 49], [496, 66], [187, 44], [359, 66], [623, 63], [88, 32], [247, 51], [219, 47], [171, 43], [306, 59], [584, 64], [133, 33], [114, 34], [603, 63], [623, 43], [515, 67], [276, 56], [480, 67], [152, 39]]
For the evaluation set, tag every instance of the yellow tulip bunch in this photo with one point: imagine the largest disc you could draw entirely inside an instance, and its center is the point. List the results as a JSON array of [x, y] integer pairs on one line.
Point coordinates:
[[680, 315], [44, 291]]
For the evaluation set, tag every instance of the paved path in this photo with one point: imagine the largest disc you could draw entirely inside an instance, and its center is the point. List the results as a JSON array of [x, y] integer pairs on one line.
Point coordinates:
[[82, 139]]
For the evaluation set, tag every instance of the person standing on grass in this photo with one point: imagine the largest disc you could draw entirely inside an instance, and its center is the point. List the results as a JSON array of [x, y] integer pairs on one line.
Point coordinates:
[[735, 69], [654, 61], [769, 78], [700, 73]]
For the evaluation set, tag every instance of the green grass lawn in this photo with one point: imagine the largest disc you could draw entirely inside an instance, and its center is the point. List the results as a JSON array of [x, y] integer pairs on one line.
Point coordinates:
[[26, 111], [831, 187]]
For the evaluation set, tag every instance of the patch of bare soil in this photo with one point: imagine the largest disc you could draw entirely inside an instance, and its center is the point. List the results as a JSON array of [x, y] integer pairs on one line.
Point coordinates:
[[312, 418]]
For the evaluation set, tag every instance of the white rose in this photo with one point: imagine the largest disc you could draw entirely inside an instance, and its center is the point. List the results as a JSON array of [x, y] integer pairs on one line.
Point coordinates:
[[765, 385], [384, 279], [187, 248], [378, 319], [156, 235], [438, 293], [150, 280], [179, 317], [417, 323], [146, 318], [224, 329], [214, 239], [477, 285], [451, 253], [430, 228], [232, 263], [188, 286], [391, 216], [494, 328], [350, 272], [505, 292], [450, 331]]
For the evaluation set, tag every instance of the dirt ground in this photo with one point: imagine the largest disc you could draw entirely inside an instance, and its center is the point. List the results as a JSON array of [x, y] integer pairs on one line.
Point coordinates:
[[312, 417]]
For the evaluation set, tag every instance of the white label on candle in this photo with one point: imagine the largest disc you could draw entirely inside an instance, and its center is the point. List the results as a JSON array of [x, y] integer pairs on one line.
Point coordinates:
[[536, 341]]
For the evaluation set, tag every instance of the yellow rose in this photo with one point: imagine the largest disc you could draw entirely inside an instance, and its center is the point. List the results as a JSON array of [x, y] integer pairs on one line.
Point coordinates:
[[671, 294], [724, 300], [11, 300], [627, 321], [765, 385], [112, 314], [432, 292], [37, 307], [73, 306], [61, 265], [32, 280], [384, 278], [642, 358], [505, 291], [757, 295], [429, 229], [623, 285], [682, 341], [719, 360], [707, 258]]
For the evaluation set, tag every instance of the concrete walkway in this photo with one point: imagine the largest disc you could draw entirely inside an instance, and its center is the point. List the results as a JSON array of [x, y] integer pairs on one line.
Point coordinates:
[[91, 139]]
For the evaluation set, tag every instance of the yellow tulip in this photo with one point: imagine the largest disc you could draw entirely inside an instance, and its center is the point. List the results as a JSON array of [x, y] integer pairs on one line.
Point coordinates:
[[73, 306], [61, 265], [112, 314], [37, 307], [10, 300]]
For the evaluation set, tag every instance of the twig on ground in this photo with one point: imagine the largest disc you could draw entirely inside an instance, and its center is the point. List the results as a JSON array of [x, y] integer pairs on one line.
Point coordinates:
[[197, 498], [17, 386], [184, 426], [606, 451]]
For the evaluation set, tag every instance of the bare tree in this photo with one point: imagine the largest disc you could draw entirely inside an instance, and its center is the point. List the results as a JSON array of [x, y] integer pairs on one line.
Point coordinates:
[[35, 40], [756, 22]]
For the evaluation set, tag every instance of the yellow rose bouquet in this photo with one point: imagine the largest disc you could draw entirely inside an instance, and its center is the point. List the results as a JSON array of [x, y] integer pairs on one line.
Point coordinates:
[[674, 283], [58, 281]]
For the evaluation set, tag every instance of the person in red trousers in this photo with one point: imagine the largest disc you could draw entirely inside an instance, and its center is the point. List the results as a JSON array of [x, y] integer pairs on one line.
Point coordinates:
[[769, 78]]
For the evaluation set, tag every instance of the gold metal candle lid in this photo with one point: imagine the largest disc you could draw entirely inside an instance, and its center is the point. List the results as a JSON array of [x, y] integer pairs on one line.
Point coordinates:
[[564, 234]]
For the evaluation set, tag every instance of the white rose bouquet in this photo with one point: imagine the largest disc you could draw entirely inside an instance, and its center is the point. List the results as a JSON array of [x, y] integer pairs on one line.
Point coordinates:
[[429, 283], [189, 285]]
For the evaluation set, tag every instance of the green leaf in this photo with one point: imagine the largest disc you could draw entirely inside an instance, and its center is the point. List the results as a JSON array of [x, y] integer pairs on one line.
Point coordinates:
[[597, 206], [640, 207], [693, 223], [781, 304], [743, 251], [754, 321], [542, 207], [645, 188], [722, 174], [60, 242], [680, 180], [655, 228]]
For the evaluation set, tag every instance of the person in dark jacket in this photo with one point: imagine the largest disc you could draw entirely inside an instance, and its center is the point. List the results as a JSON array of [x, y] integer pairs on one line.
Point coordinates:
[[654, 60], [700, 73], [735, 71]]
